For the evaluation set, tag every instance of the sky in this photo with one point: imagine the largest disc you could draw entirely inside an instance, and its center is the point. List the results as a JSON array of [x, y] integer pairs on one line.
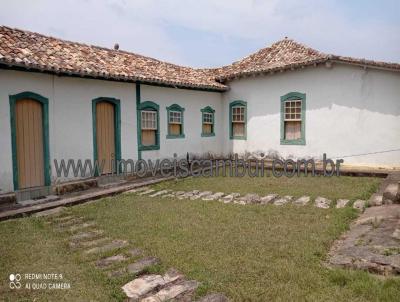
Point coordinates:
[[210, 33]]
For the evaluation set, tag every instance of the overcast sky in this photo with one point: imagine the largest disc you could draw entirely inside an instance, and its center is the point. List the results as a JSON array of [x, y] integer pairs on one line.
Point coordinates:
[[205, 33]]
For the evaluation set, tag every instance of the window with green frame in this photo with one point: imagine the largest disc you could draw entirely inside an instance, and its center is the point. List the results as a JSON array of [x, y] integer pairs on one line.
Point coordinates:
[[175, 121], [207, 121], [293, 118], [238, 120], [149, 126]]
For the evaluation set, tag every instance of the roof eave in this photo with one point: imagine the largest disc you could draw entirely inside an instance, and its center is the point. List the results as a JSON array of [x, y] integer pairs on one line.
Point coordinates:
[[107, 77], [273, 70]]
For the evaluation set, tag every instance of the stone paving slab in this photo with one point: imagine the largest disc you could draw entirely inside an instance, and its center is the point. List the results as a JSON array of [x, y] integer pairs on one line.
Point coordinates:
[[283, 200], [376, 199], [359, 205], [229, 198], [158, 193], [168, 196], [87, 244], [341, 203], [322, 202], [369, 244], [113, 245], [189, 194], [146, 192], [142, 264], [249, 198], [178, 193], [89, 235], [108, 261], [391, 193], [302, 200], [172, 291], [139, 287], [201, 195], [268, 199], [214, 196]]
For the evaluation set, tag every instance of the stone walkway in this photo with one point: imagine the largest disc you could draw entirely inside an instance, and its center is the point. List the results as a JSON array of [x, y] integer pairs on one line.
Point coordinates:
[[250, 198], [116, 257], [372, 243]]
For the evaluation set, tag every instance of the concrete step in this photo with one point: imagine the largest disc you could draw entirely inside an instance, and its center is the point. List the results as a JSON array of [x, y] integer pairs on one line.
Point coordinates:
[[7, 199], [112, 184], [32, 202]]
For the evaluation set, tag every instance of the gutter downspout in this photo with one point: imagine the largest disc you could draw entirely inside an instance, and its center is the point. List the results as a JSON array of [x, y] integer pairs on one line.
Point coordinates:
[[138, 126]]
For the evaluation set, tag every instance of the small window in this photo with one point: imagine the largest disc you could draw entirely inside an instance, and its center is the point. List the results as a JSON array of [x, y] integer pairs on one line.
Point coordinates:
[[175, 117], [293, 110], [175, 121], [207, 120], [293, 120], [149, 126], [149, 120], [238, 120], [238, 114]]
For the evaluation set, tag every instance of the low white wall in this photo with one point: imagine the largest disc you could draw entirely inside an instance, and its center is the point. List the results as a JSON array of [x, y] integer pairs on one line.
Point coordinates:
[[349, 111], [193, 101]]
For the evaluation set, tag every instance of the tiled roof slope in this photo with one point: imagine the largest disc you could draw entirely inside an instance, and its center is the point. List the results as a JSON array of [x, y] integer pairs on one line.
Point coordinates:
[[287, 54], [26, 49]]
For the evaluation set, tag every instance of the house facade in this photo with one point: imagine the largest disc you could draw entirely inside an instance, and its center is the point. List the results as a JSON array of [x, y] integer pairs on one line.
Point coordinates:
[[65, 100]]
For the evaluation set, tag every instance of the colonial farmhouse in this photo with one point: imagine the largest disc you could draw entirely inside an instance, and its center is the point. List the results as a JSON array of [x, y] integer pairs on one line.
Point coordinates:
[[66, 100]]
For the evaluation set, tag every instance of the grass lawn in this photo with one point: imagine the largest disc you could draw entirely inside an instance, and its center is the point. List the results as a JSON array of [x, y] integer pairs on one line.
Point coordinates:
[[250, 253]]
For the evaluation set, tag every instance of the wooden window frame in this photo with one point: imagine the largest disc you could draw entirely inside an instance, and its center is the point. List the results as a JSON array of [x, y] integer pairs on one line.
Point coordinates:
[[149, 106], [235, 104], [175, 108], [152, 112], [293, 96], [204, 111]]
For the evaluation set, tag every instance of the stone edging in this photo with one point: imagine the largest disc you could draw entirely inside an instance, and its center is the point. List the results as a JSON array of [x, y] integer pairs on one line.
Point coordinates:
[[250, 198]]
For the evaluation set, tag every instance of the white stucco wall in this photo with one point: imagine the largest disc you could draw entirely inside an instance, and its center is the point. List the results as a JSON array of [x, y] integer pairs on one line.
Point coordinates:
[[349, 111], [193, 101], [70, 116]]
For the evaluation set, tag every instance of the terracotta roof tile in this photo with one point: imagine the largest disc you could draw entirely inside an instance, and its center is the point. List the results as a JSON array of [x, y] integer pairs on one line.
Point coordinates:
[[26, 49], [287, 54], [35, 51]]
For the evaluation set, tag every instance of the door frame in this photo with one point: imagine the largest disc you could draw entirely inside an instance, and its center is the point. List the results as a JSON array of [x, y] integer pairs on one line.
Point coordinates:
[[45, 121], [117, 127]]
